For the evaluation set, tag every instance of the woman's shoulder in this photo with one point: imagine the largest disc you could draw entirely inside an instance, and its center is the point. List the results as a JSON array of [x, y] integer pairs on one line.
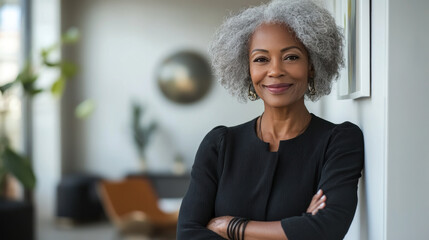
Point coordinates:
[[245, 127], [221, 129], [216, 134], [326, 125], [219, 132], [338, 130]]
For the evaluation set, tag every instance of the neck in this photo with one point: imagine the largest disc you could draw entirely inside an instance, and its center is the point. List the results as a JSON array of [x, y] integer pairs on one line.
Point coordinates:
[[284, 123]]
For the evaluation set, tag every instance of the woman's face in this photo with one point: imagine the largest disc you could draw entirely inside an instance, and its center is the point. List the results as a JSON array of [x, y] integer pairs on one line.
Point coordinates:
[[279, 65]]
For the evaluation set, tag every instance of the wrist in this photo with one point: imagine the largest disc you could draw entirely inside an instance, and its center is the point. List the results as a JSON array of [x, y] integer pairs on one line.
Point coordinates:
[[236, 228]]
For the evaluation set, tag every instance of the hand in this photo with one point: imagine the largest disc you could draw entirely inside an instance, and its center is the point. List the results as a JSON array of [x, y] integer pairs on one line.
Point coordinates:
[[219, 225], [318, 202]]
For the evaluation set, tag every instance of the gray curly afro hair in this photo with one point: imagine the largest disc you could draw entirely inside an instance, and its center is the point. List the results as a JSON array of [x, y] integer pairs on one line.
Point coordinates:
[[313, 25]]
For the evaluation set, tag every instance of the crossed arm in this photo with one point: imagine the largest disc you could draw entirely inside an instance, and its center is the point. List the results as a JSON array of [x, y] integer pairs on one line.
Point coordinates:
[[264, 230]]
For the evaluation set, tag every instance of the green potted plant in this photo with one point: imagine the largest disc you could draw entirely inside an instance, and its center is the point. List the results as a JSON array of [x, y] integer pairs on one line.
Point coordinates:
[[141, 133], [13, 163]]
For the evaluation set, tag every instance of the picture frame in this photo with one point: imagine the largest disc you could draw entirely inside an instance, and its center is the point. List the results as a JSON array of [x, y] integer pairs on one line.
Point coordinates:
[[353, 16]]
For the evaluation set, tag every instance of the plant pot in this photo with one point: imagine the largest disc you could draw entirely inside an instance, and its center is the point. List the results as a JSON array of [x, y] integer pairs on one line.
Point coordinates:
[[10, 189], [16, 220], [143, 164]]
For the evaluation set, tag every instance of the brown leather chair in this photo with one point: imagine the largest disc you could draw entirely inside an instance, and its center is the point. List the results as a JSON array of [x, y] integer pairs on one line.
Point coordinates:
[[132, 206]]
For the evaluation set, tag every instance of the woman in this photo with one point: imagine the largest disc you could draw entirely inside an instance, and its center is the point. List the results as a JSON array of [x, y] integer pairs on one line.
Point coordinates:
[[286, 174]]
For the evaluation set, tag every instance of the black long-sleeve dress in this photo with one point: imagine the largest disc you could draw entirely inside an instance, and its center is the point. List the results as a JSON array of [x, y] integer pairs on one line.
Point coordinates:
[[235, 174]]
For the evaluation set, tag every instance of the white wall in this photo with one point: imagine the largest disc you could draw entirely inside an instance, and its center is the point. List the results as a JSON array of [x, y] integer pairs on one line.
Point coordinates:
[[122, 44], [370, 115], [393, 190], [408, 113]]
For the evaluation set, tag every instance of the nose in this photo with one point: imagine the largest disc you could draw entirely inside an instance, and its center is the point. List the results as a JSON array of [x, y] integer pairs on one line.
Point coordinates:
[[276, 69]]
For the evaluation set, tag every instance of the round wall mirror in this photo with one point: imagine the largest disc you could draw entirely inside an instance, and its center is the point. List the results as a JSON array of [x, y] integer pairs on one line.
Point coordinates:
[[184, 77]]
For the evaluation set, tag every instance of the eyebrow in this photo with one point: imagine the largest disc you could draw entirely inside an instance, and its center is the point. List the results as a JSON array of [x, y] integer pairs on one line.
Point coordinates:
[[283, 50]]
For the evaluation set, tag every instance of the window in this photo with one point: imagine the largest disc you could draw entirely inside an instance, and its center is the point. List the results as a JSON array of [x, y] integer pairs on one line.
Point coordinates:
[[10, 62]]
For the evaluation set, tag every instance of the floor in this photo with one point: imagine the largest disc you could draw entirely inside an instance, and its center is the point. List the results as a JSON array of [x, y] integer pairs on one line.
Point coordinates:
[[48, 230], [102, 230]]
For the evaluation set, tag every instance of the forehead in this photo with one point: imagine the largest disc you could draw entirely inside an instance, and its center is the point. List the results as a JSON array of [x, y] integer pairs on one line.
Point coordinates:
[[272, 35]]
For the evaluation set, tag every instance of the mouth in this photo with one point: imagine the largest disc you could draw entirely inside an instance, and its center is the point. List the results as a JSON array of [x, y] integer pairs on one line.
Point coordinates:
[[278, 88]]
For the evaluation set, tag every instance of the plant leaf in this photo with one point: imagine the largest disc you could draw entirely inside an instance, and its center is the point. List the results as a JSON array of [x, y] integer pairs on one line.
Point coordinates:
[[33, 92], [27, 75], [72, 35], [57, 87], [28, 78], [46, 51], [2, 173], [68, 69], [136, 115], [20, 167], [6, 86], [2, 178], [51, 64], [85, 109]]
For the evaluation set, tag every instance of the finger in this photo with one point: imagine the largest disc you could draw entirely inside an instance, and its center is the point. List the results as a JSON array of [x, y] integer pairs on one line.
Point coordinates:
[[317, 196], [319, 207], [312, 207], [314, 200], [320, 201]]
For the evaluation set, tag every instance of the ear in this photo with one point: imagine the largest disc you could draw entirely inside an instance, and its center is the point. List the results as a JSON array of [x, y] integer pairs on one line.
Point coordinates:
[[310, 70]]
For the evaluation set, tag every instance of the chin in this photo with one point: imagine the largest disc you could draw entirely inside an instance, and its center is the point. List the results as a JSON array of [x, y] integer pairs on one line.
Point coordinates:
[[278, 102], [281, 101]]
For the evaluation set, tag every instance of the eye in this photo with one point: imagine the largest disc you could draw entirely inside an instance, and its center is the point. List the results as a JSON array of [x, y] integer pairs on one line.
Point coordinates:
[[291, 58], [260, 59]]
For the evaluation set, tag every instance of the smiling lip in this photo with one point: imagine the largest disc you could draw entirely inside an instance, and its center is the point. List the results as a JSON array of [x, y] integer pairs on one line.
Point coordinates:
[[278, 88]]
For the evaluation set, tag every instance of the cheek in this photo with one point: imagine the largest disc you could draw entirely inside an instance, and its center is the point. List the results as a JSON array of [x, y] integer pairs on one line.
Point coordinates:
[[299, 72], [256, 74]]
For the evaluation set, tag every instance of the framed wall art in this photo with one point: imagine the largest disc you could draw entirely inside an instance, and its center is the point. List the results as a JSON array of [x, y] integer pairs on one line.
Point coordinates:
[[354, 17]]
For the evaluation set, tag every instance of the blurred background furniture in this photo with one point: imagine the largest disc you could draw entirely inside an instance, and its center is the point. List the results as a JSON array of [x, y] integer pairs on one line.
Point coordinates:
[[77, 199], [16, 220], [132, 206], [166, 185]]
